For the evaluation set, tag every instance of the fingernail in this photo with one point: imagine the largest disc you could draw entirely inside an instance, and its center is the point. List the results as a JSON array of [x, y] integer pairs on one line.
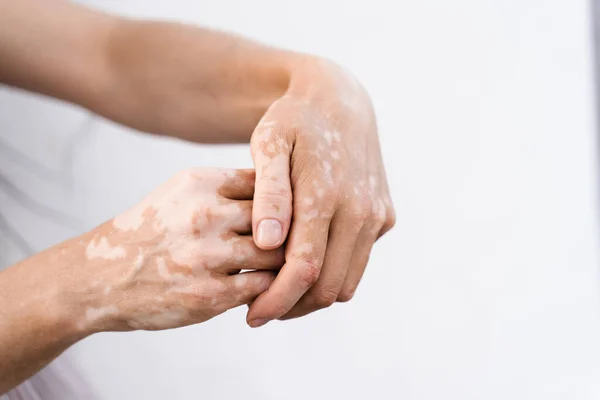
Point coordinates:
[[255, 323], [269, 233]]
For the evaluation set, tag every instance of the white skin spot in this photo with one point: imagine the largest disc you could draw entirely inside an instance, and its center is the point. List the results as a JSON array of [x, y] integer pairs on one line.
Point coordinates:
[[178, 278], [96, 283], [103, 249], [172, 205], [271, 148], [372, 183], [241, 281], [266, 134], [328, 137], [264, 165], [305, 249], [269, 124], [107, 290], [320, 192], [335, 155], [381, 212], [161, 320], [327, 169], [336, 136], [93, 314], [163, 271], [356, 191], [309, 201], [139, 261], [281, 143], [310, 215]]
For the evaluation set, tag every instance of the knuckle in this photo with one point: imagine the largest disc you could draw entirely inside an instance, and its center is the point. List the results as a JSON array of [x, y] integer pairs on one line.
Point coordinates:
[[272, 189], [202, 300], [346, 294], [390, 221], [387, 222], [309, 273], [324, 211], [379, 220], [363, 209], [324, 298]]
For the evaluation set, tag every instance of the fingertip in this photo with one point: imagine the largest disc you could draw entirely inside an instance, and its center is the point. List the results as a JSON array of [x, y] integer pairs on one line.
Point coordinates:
[[257, 323], [269, 234], [254, 319]]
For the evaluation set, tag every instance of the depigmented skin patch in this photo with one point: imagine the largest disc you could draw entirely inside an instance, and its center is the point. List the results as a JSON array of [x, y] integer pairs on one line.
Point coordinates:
[[181, 242], [102, 249], [328, 126]]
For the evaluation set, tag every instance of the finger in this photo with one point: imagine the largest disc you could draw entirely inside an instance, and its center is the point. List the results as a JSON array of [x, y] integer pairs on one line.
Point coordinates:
[[343, 234], [244, 288], [273, 193], [246, 255], [389, 216], [238, 215], [359, 261], [304, 257], [239, 185]]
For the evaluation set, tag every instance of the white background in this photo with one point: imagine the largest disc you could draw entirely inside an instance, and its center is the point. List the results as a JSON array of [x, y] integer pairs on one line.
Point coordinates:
[[487, 288]]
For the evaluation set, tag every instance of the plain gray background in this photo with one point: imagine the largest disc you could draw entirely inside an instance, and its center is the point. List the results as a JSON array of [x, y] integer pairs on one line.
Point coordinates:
[[488, 286]]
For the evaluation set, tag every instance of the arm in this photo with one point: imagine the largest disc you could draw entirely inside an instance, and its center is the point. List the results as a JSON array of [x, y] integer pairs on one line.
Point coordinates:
[[144, 74], [310, 124], [149, 268], [35, 326]]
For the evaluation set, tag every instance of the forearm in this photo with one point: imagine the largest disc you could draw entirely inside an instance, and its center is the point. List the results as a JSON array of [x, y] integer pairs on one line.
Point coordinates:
[[190, 82], [157, 77], [55, 48], [36, 318]]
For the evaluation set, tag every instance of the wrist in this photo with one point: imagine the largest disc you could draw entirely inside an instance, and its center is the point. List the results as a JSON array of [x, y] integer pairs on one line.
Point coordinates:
[[34, 292], [201, 85], [86, 303]]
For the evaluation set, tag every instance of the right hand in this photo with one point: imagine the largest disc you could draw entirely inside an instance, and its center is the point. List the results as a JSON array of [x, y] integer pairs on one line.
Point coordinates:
[[175, 258]]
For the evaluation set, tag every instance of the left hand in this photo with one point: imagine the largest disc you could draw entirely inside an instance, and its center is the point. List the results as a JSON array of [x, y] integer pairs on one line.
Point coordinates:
[[320, 183]]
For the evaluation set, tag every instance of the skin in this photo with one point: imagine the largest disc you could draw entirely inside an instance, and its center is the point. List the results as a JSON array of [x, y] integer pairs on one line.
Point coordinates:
[[320, 185], [148, 268]]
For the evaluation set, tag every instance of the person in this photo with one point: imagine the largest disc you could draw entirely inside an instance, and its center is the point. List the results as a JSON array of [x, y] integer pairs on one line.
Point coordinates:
[[290, 237]]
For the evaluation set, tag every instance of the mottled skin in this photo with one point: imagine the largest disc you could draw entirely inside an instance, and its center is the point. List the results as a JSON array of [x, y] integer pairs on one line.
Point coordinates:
[[154, 270], [183, 247], [317, 167], [320, 195]]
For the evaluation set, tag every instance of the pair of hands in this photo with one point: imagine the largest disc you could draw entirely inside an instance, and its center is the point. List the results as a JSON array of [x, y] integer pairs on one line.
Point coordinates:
[[319, 187]]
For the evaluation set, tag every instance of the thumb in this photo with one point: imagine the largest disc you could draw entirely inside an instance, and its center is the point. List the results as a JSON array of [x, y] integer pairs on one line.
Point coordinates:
[[272, 207]]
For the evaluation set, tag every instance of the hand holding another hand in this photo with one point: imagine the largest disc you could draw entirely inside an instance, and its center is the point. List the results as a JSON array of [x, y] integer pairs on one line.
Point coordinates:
[[321, 184], [174, 259]]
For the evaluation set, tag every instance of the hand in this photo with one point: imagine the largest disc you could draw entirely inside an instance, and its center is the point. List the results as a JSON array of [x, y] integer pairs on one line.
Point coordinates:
[[174, 259], [321, 184]]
